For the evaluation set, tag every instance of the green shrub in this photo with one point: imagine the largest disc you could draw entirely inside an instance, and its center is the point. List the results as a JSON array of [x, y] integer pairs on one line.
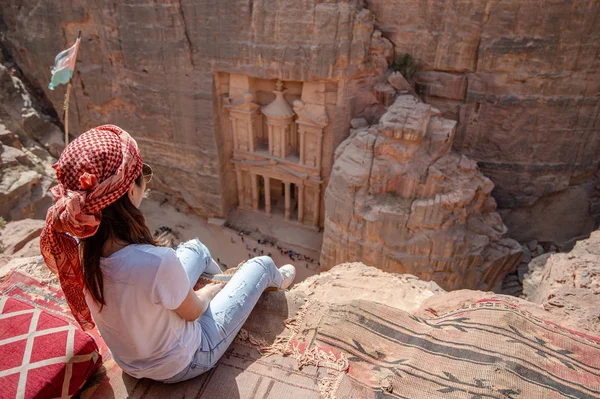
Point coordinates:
[[406, 65]]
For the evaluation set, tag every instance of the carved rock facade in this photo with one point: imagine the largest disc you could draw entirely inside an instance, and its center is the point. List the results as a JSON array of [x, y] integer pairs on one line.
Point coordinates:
[[277, 150], [400, 199]]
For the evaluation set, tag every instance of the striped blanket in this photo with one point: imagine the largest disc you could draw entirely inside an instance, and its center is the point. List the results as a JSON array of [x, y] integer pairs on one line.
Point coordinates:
[[490, 349]]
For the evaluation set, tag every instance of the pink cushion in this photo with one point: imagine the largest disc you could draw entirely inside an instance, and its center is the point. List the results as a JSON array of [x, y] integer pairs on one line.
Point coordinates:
[[42, 355]]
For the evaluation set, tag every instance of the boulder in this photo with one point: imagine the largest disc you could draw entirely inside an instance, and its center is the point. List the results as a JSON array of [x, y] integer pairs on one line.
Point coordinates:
[[398, 82], [18, 235], [533, 275], [11, 156], [24, 194], [568, 284]]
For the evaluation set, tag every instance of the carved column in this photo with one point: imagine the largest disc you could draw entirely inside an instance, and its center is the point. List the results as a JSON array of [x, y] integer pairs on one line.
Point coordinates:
[[283, 145], [301, 133], [287, 201], [316, 204], [310, 129], [245, 122], [319, 149], [254, 182], [270, 139], [251, 138], [267, 195], [240, 186], [235, 137], [301, 203]]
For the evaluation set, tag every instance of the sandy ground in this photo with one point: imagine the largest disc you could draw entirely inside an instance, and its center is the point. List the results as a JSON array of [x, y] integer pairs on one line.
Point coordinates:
[[225, 244]]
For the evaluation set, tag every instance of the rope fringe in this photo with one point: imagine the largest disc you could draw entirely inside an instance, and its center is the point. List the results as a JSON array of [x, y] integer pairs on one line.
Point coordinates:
[[314, 356]]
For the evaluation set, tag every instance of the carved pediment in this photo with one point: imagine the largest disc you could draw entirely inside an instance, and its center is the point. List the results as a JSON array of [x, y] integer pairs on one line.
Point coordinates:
[[245, 104], [306, 117]]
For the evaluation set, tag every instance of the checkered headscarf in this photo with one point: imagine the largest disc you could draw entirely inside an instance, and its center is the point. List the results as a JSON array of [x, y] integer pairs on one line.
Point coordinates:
[[94, 171]]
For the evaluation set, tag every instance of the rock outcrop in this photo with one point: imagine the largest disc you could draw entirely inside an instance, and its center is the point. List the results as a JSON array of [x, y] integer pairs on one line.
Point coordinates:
[[568, 284], [522, 80], [29, 141], [401, 200], [352, 281]]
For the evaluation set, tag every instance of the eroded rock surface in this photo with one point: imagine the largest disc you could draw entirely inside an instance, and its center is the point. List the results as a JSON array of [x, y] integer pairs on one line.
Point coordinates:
[[568, 284], [29, 142], [401, 200], [21, 238], [351, 281], [522, 80]]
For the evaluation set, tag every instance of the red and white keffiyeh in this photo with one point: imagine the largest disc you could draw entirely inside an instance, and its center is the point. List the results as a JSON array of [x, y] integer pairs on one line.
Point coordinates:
[[94, 171]]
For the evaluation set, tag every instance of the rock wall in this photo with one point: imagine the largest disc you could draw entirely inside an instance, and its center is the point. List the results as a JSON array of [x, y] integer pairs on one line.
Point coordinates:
[[149, 67], [401, 200], [29, 142], [522, 79]]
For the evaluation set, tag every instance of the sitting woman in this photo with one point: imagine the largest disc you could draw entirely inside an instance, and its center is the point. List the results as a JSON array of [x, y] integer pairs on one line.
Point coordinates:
[[140, 295]]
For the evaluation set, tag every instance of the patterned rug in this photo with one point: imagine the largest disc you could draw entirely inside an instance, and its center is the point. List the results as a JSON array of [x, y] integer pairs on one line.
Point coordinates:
[[490, 349], [43, 352], [43, 293]]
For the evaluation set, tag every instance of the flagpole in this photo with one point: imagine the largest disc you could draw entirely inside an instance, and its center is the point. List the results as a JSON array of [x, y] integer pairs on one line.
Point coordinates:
[[68, 95]]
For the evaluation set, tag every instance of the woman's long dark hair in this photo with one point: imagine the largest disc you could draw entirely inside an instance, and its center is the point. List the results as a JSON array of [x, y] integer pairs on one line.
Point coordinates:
[[120, 220]]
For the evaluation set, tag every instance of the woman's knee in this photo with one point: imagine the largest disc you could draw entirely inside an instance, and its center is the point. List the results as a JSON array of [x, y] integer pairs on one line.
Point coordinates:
[[264, 261], [196, 246]]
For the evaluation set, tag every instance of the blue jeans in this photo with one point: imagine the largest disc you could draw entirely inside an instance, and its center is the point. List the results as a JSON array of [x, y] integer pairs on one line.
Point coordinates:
[[229, 309]]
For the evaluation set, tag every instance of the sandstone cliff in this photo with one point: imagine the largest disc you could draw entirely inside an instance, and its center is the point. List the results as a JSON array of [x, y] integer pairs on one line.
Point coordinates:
[[521, 78], [29, 141], [401, 200], [523, 82], [150, 68]]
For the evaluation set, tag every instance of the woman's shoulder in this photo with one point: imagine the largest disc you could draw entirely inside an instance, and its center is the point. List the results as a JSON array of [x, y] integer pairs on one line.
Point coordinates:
[[139, 256], [151, 250]]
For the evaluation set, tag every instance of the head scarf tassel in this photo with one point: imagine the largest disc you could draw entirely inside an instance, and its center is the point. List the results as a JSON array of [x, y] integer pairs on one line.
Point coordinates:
[[94, 171]]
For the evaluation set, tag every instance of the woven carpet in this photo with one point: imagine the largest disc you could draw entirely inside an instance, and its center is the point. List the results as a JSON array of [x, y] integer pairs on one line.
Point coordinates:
[[43, 353], [490, 349], [366, 350]]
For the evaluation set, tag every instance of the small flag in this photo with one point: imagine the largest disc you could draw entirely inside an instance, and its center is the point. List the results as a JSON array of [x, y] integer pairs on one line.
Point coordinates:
[[64, 65]]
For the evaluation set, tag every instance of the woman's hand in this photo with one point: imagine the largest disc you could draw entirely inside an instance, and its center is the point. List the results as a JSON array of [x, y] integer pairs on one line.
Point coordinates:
[[196, 302], [209, 291]]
